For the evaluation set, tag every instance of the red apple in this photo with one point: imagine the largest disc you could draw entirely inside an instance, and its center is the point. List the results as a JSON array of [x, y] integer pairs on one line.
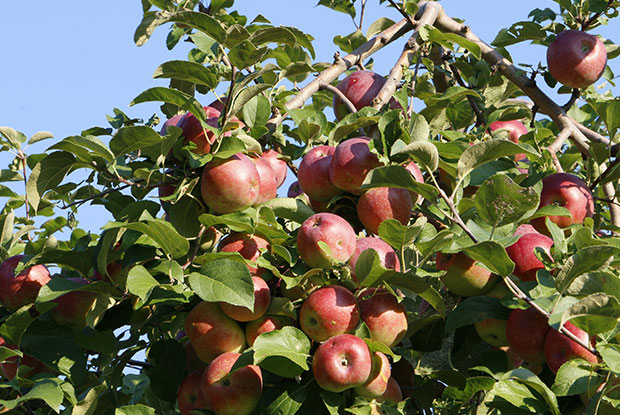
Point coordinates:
[[329, 311], [313, 174], [492, 331], [74, 306], [350, 164], [576, 59], [403, 373], [377, 382], [212, 332], [392, 394], [559, 349], [230, 185], [415, 171], [189, 394], [387, 255], [262, 299], [9, 367], [278, 165], [522, 254], [265, 324], [360, 88], [570, 191], [526, 332], [463, 276], [268, 183], [231, 392], [385, 317], [202, 137], [294, 190], [330, 229], [382, 203], [342, 362], [248, 246], [515, 129], [174, 121], [17, 291]]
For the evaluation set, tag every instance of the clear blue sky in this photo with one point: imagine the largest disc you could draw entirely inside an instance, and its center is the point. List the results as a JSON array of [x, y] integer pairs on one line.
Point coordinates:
[[66, 65]]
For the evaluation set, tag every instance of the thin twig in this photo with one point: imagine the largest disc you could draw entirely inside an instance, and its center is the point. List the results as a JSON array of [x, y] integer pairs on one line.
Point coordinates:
[[340, 94], [573, 97], [555, 147], [480, 119]]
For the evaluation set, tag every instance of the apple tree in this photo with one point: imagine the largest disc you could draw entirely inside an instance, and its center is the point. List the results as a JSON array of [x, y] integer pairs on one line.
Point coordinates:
[[304, 237]]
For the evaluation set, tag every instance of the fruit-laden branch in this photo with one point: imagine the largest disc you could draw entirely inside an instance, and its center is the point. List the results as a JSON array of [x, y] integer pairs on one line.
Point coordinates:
[[427, 13], [342, 64]]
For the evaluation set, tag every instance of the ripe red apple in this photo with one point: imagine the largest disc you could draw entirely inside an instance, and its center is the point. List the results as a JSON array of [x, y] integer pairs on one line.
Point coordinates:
[[526, 332], [230, 185], [387, 255], [202, 137], [515, 130], [385, 317], [403, 374], [189, 394], [522, 254], [278, 165], [377, 382], [328, 312], [212, 332], [248, 246], [313, 174], [382, 203], [350, 164], [360, 88], [174, 121], [576, 59], [333, 231], [9, 367], [73, 306], [393, 393], [268, 183], [265, 324], [570, 191], [463, 276], [559, 349], [231, 392], [19, 290], [415, 171], [262, 299], [342, 362]]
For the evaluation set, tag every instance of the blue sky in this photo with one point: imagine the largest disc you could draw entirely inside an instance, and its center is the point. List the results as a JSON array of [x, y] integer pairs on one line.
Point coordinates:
[[66, 65]]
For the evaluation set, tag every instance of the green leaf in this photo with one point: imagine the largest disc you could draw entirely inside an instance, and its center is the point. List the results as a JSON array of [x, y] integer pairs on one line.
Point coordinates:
[[574, 378], [161, 232], [343, 6], [224, 280], [47, 175], [86, 149], [290, 208], [246, 94], [275, 351], [398, 176], [135, 410], [246, 54], [491, 150], [40, 136], [420, 130], [473, 309], [422, 152], [257, 111], [167, 358], [199, 21], [170, 96], [493, 256], [368, 268], [611, 355], [595, 282], [279, 35], [500, 201], [432, 34], [79, 261], [58, 286], [288, 399], [398, 235], [379, 26], [350, 42], [88, 405], [46, 390], [58, 352], [352, 122], [595, 314], [186, 71], [587, 259], [140, 282], [418, 285], [530, 379]]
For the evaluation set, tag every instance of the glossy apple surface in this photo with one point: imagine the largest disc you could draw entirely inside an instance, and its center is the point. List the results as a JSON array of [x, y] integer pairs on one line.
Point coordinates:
[[526, 332], [229, 391], [387, 255], [377, 382], [329, 311], [576, 59], [268, 183], [212, 332], [330, 229], [313, 174], [262, 299], [360, 88], [202, 137], [73, 307], [569, 191], [278, 165], [515, 129], [559, 349], [342, 362], [415, 171], [189, 395], [385, 317], [381, 203], [492, 331], [522, 253], [265, 324], [350, 164], [230, 185], [463, 276], [248, 246], [19, 290]]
